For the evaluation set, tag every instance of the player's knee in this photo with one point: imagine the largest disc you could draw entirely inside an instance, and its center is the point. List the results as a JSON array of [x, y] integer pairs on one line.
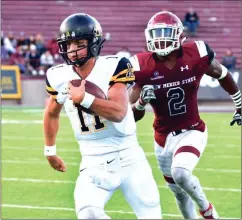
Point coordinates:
[[180, 175], [92, 213]]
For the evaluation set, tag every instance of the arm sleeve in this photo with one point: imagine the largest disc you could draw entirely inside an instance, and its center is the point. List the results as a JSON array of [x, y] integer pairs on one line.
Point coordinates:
[[124, 73]]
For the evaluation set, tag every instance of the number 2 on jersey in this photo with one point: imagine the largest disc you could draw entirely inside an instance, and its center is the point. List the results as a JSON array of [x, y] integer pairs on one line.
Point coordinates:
[[176, 101], [98, 124]]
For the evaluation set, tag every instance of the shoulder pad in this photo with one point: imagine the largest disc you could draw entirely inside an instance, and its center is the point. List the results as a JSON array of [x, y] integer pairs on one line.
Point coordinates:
[[53, 78], [135, 63], [201, 48], [205, 50]]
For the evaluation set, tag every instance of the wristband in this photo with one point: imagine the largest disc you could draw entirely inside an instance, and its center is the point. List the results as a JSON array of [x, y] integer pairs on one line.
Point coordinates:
[[237, 99], [50, 150], [87, 100], [139, 106]]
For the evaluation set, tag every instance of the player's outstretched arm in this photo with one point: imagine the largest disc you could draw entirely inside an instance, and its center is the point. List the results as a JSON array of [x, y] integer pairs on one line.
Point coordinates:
[[218, 71], [51, 126]]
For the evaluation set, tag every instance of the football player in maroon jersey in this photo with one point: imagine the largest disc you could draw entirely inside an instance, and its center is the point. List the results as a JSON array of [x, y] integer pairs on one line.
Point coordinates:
[[168, 78]]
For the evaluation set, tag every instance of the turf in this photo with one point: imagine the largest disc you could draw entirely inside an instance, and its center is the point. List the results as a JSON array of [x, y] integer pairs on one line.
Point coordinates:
[[31, 189]]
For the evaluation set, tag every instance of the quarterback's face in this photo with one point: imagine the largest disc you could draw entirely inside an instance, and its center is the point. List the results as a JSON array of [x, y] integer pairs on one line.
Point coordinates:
[[77, 49]]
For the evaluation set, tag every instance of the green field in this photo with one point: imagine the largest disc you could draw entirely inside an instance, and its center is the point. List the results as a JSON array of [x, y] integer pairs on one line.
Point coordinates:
[[31, 189]]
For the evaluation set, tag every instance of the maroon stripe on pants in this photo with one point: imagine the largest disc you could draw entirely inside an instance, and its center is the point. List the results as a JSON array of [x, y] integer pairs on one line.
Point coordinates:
[[169, 179], [189, 149]]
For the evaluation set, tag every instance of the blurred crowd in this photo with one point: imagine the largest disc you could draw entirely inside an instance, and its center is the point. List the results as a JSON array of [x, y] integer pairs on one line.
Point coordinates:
[[30, 53], [34, 56]]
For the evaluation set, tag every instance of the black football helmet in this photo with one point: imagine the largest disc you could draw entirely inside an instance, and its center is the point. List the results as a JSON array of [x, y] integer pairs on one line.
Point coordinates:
[[80, 26]]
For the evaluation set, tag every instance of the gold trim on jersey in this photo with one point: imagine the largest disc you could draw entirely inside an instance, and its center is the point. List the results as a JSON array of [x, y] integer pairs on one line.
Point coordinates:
[[126, 75], [50, 89], [124, 79], [121, 73], [51, 92]]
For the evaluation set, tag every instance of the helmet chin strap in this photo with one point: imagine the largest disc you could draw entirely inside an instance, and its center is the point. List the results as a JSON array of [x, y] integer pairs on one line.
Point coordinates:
[[183, 39], [81, 62], [93, 51]]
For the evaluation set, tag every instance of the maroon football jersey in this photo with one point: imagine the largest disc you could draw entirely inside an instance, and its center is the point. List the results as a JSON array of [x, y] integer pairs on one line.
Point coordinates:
[[175, 106]]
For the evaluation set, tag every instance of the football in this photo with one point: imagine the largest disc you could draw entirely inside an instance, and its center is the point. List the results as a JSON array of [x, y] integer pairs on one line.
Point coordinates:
[[90, 88]]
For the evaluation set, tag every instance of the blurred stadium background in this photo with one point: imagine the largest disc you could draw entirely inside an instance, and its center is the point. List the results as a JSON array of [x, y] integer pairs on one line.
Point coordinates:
[[30, 189]]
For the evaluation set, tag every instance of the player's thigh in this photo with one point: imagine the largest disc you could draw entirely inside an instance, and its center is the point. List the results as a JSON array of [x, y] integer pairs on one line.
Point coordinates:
[[164, 156], [189, 149], [141, 191], [89, 192]]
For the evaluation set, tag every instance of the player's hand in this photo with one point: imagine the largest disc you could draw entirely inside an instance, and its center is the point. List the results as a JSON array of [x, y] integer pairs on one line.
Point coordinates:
[[236, 118], [62, 94], [56, 163], [147, 94], [76, 94]]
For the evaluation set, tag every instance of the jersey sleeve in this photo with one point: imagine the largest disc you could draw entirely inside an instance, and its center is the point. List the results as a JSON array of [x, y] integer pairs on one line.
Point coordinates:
[[124, 73], [206, 56], [50, 90]]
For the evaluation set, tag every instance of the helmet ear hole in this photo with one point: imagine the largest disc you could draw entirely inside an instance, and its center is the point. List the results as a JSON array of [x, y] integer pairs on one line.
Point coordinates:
[[94, 50]]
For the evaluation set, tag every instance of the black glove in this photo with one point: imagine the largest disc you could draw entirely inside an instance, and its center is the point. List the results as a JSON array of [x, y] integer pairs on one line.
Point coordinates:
[[236, 118]]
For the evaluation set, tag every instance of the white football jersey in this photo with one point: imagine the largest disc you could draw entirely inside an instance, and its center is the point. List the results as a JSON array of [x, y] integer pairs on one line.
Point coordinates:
[[95, 134]]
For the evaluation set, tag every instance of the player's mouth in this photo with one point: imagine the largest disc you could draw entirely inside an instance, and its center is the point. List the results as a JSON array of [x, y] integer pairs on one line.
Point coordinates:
[[74, 58]]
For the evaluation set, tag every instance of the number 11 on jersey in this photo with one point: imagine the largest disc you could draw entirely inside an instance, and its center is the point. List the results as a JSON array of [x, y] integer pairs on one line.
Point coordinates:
[[98, 125]]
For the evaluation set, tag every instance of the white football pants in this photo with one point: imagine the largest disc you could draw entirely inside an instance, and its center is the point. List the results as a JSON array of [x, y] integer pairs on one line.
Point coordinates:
[[127, 170]]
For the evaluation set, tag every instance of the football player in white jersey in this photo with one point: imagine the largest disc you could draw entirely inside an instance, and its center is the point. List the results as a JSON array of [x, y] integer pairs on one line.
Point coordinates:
[[111, 155]]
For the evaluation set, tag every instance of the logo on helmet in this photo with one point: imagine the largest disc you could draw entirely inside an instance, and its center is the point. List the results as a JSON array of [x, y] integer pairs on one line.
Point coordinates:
[[68, 34], [73, 34], [63, 36], [97, 30]]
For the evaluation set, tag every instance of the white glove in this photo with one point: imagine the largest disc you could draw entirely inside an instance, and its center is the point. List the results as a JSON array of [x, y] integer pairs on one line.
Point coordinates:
[[147, 93], [62, 94]]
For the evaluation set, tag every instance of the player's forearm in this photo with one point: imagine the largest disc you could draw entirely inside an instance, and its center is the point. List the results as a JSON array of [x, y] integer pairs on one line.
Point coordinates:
[[138, 114], [109, 110], [51, 127], [230, 86]]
